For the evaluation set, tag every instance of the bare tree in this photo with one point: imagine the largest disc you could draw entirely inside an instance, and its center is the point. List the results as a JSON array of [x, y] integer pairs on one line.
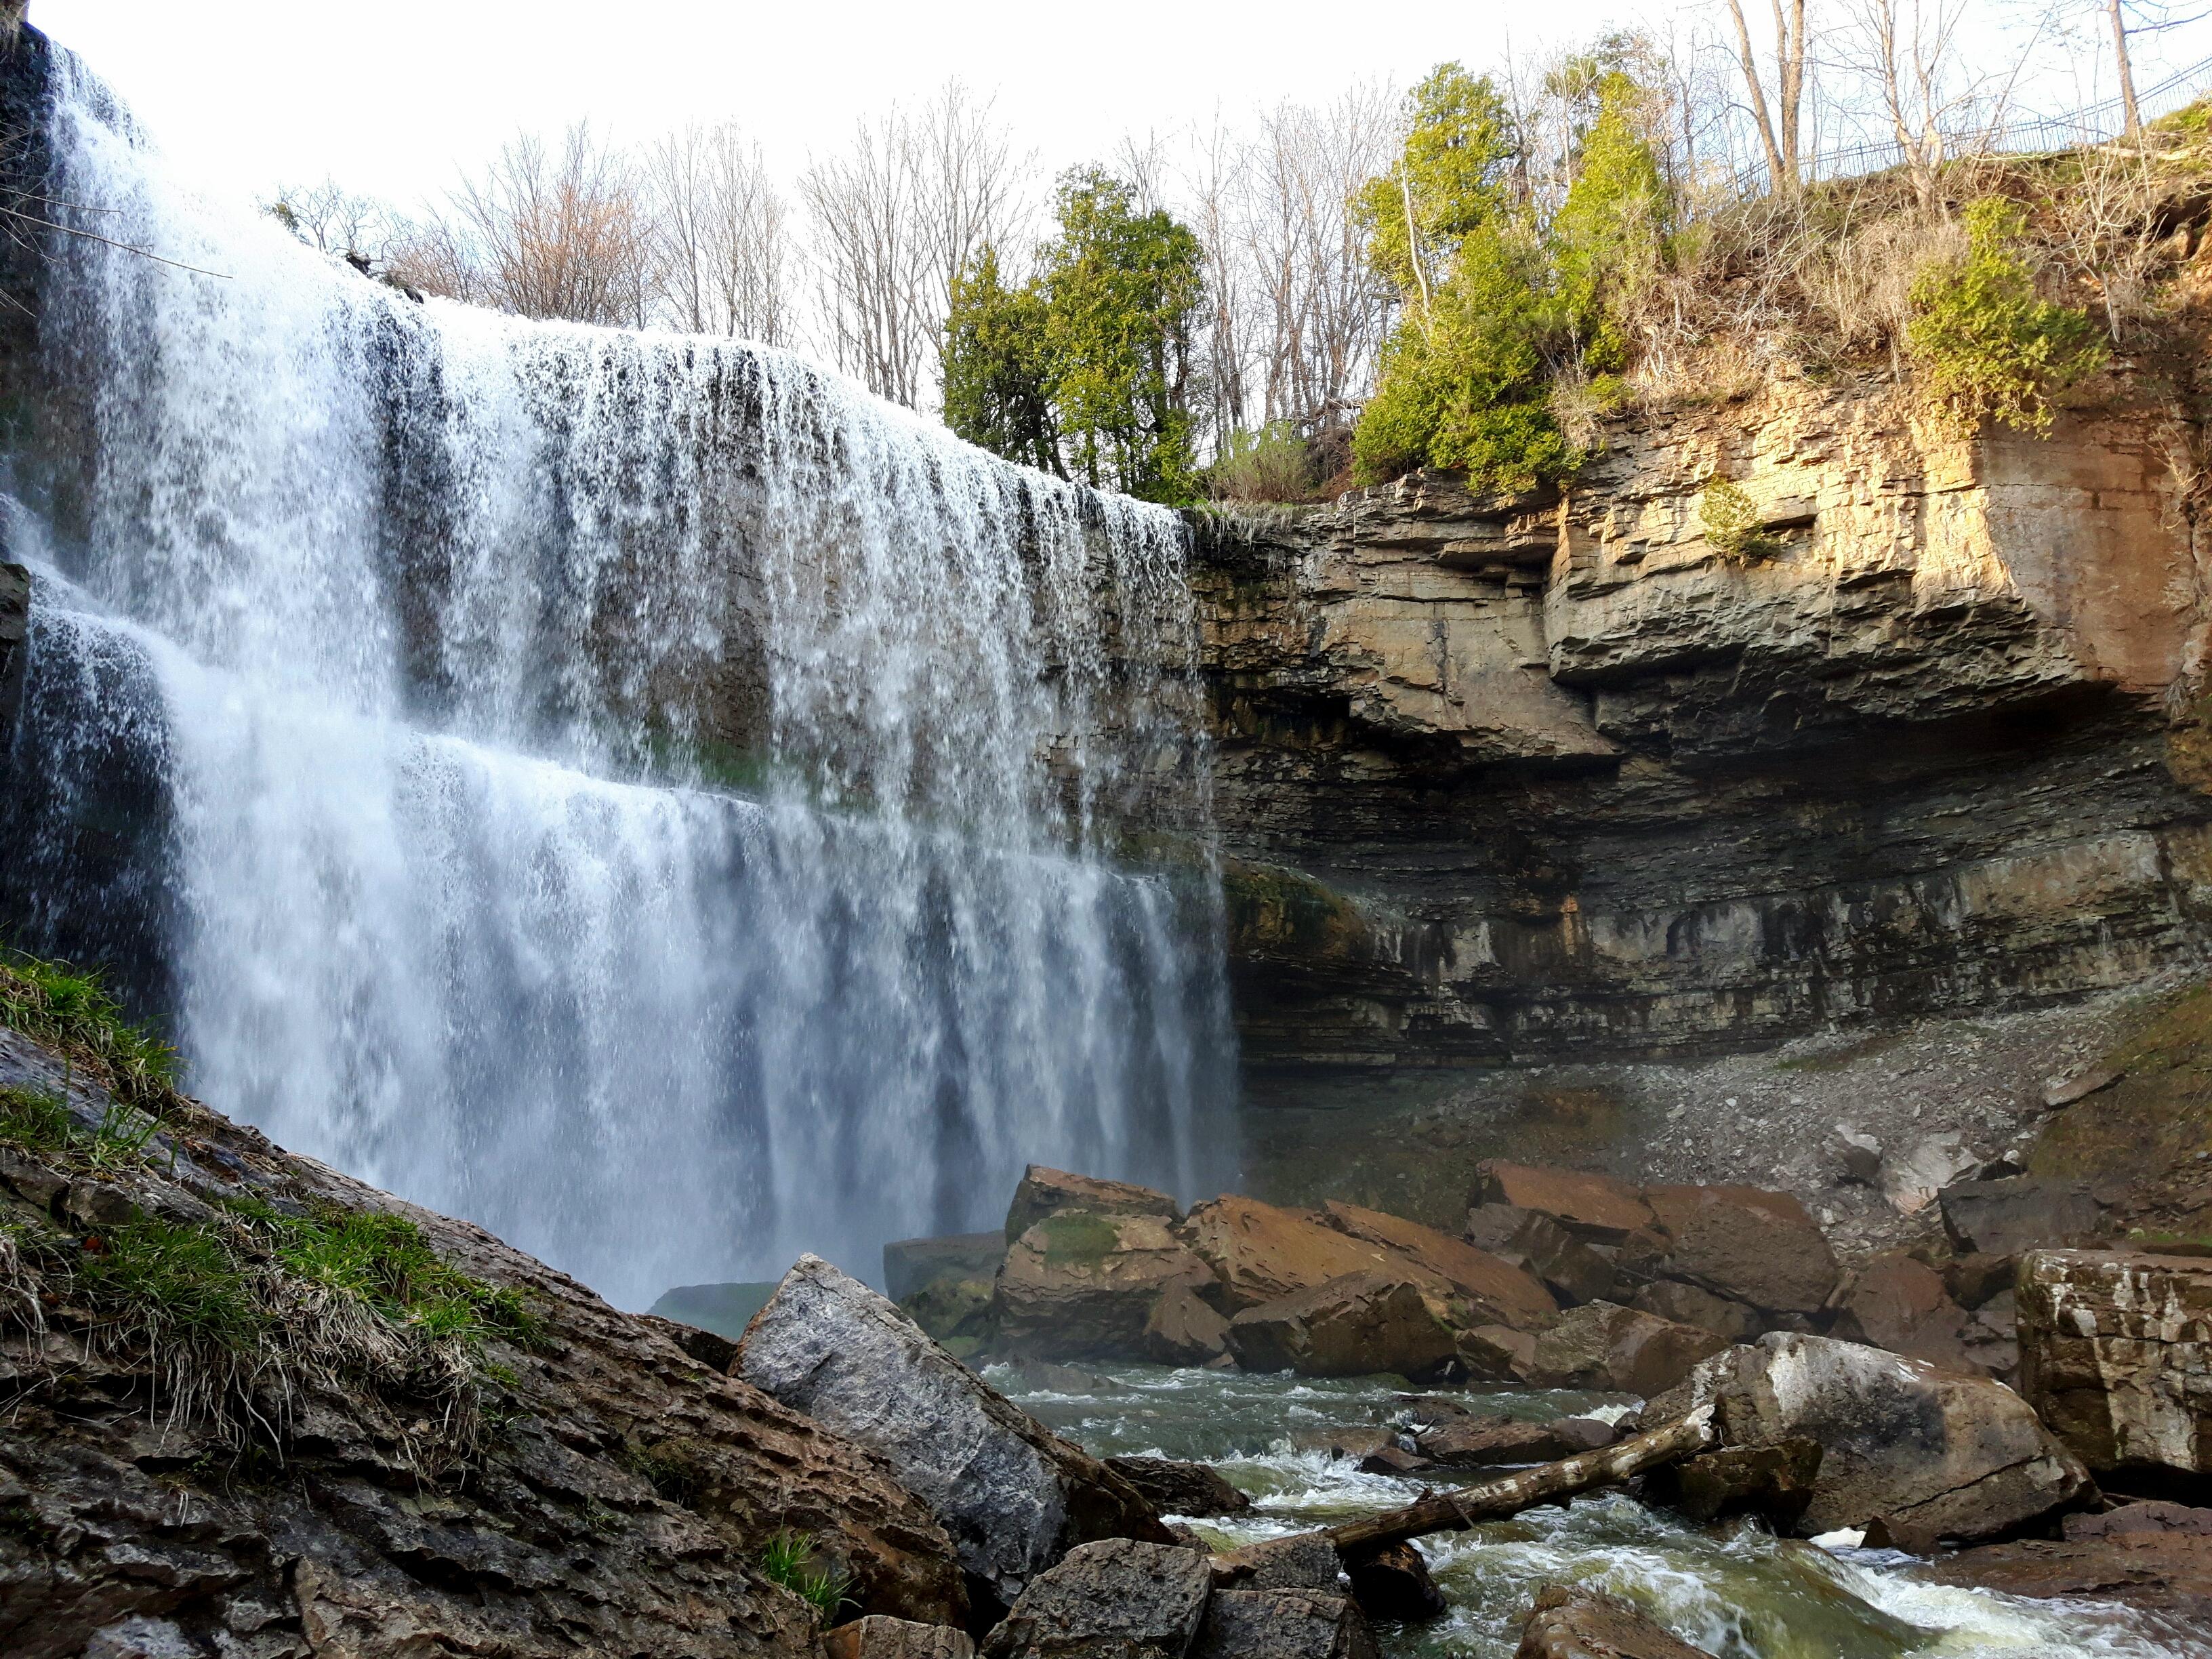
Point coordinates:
[[543, 231], [331, 219], [1777, 117], [722, 234], [895, 218], [1907, 49]]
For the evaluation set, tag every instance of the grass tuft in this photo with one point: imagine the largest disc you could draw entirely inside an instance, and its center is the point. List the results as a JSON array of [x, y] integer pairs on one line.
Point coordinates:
[[38, 1120], [72, 1012], [787, 1559]]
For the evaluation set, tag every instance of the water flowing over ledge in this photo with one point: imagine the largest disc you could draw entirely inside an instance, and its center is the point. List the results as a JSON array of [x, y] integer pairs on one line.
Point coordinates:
[[637, 792]]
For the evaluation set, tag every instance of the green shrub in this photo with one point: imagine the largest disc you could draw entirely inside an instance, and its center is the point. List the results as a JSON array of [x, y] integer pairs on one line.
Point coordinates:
[[1985, 347], [36, 1119], [1609, 238], [1270, 465]]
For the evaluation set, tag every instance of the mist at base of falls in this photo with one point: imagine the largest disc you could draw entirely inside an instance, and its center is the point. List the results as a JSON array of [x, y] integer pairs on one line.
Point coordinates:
[[387, 665]]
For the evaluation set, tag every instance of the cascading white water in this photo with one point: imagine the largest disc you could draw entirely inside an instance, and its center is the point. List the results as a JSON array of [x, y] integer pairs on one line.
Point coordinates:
[[637, 792]]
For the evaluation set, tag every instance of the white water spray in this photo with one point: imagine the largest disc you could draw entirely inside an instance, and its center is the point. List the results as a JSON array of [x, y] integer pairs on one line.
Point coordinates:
[[637, 792]]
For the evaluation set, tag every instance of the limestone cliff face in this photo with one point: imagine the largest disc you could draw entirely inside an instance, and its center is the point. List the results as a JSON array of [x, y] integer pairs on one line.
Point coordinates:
[[1506, 778]]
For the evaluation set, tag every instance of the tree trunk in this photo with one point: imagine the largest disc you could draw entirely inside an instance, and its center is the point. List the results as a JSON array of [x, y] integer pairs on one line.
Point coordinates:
[[2134, 116], [1493, 1500]]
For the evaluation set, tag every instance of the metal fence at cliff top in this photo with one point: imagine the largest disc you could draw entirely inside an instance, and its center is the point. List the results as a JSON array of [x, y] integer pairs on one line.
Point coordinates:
[[2096, 124]]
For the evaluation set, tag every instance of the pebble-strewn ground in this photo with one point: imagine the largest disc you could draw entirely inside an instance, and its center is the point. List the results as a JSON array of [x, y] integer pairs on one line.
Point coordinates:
[[1941, 1097]]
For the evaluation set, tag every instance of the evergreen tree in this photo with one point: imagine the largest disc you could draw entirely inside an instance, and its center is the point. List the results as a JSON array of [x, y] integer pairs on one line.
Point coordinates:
[[998, 374]]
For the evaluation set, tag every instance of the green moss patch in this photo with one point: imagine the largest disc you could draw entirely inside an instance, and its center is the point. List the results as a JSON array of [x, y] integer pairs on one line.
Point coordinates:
[[1078, 1238]]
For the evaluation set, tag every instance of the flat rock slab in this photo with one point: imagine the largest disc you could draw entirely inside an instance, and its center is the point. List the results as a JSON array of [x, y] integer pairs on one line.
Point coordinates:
[[1494, 1291], [1083, 1284], [1262, 1253], [1012, 1495], [1569, 1622], [1046, 1192], [1744, 1242], [1117, 1597], [1284, 1623], [2157, 1571], [1601, 1208]]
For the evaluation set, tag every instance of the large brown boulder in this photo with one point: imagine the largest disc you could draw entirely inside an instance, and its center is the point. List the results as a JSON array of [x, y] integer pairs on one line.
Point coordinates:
[[1174, 1488], [1693, 1304], [1184, 1329], [1934, 1454], [1572, 1269], [1261, 1253], [2116, 1353], [2015, 1214], [1598, 1208], [1897, 1302], [1743, 1242], [878, 1638], [1571, 1622], [1354, 1326], [1081, 1285], [1013, 1496], [1046, 1192], [1492, 1290], [1620, 1349], [1118, 1596]]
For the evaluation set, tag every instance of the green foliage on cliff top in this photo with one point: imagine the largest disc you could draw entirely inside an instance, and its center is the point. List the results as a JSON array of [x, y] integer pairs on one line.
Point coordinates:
[[1088, 369], [1468, 378], [1986, 346]]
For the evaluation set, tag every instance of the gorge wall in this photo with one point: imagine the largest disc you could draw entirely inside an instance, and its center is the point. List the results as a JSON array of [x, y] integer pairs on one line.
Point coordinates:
[[1504, 780]]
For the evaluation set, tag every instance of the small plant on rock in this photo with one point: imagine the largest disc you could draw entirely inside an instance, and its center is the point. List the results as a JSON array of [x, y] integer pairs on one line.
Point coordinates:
[[1732, 522], [787, 1559]]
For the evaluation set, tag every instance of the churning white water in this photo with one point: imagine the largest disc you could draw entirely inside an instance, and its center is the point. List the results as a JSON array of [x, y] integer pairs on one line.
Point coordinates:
[[637, 792]]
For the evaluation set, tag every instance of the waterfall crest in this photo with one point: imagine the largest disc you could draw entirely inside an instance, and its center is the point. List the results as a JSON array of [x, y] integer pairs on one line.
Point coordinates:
[[638, 792]]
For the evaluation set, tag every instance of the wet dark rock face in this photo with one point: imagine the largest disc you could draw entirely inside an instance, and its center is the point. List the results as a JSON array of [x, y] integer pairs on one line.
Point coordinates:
[[1512, 779]]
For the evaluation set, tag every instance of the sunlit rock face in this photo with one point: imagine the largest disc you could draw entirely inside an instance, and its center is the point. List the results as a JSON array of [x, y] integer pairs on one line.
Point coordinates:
[[1510, 779], [638, 792]]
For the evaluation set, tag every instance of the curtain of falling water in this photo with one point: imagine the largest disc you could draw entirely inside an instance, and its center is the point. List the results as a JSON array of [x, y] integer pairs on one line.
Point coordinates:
[[638, 792]]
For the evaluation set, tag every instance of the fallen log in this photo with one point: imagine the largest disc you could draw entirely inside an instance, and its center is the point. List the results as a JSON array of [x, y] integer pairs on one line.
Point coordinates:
[[1493, 1500]]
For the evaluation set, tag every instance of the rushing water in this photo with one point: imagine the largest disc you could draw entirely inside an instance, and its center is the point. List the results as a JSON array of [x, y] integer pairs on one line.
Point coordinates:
[[637, 792], [1737, 1591]]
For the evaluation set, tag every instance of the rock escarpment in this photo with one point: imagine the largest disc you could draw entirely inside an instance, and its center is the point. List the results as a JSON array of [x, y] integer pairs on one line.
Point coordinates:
[[620, 1495], [1506, 779]]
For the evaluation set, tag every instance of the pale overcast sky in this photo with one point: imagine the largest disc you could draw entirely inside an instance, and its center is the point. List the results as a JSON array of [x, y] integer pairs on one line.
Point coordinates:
[[390, 100]]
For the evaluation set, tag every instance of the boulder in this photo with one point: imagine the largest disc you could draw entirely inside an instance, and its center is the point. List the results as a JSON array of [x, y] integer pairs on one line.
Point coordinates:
[[1896, 1303], [2020, 1213], [957, 1313], [1494, 1353], [1175, 1488], [1395, 1459], [1752, 1246], [1394, 1584], [1774, 1482], [1692, 1304], [1360, 1324], [1183, 1329], [1342, 1443], [711, 1349], [1597, 1208], [878, 1638], [2159, 1572], [1285, 1623], [1478, 1442], [1933, 1454], [1013, 1496], [1117, 1596], [1578, 1272], [911, 1263], [1492, 1290], [1570, 1622], [1260, 1253], [1619, 1350], [2115, 1354], [1974, 1278], [1304, 1560], [1046, 1192], [1081, 1285]]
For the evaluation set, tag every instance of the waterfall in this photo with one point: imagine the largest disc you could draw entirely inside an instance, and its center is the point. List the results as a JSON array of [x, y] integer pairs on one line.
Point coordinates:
[[637, 792]]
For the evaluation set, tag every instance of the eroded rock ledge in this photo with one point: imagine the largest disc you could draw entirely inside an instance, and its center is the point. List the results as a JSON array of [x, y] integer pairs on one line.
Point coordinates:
[[1506, 779]]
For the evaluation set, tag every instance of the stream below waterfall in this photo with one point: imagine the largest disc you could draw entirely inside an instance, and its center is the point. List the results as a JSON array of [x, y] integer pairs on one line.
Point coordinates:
[[1735, 1589]]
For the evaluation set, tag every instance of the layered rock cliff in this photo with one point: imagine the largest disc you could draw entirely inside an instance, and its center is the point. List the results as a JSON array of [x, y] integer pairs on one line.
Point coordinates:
[[1508, 779]]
